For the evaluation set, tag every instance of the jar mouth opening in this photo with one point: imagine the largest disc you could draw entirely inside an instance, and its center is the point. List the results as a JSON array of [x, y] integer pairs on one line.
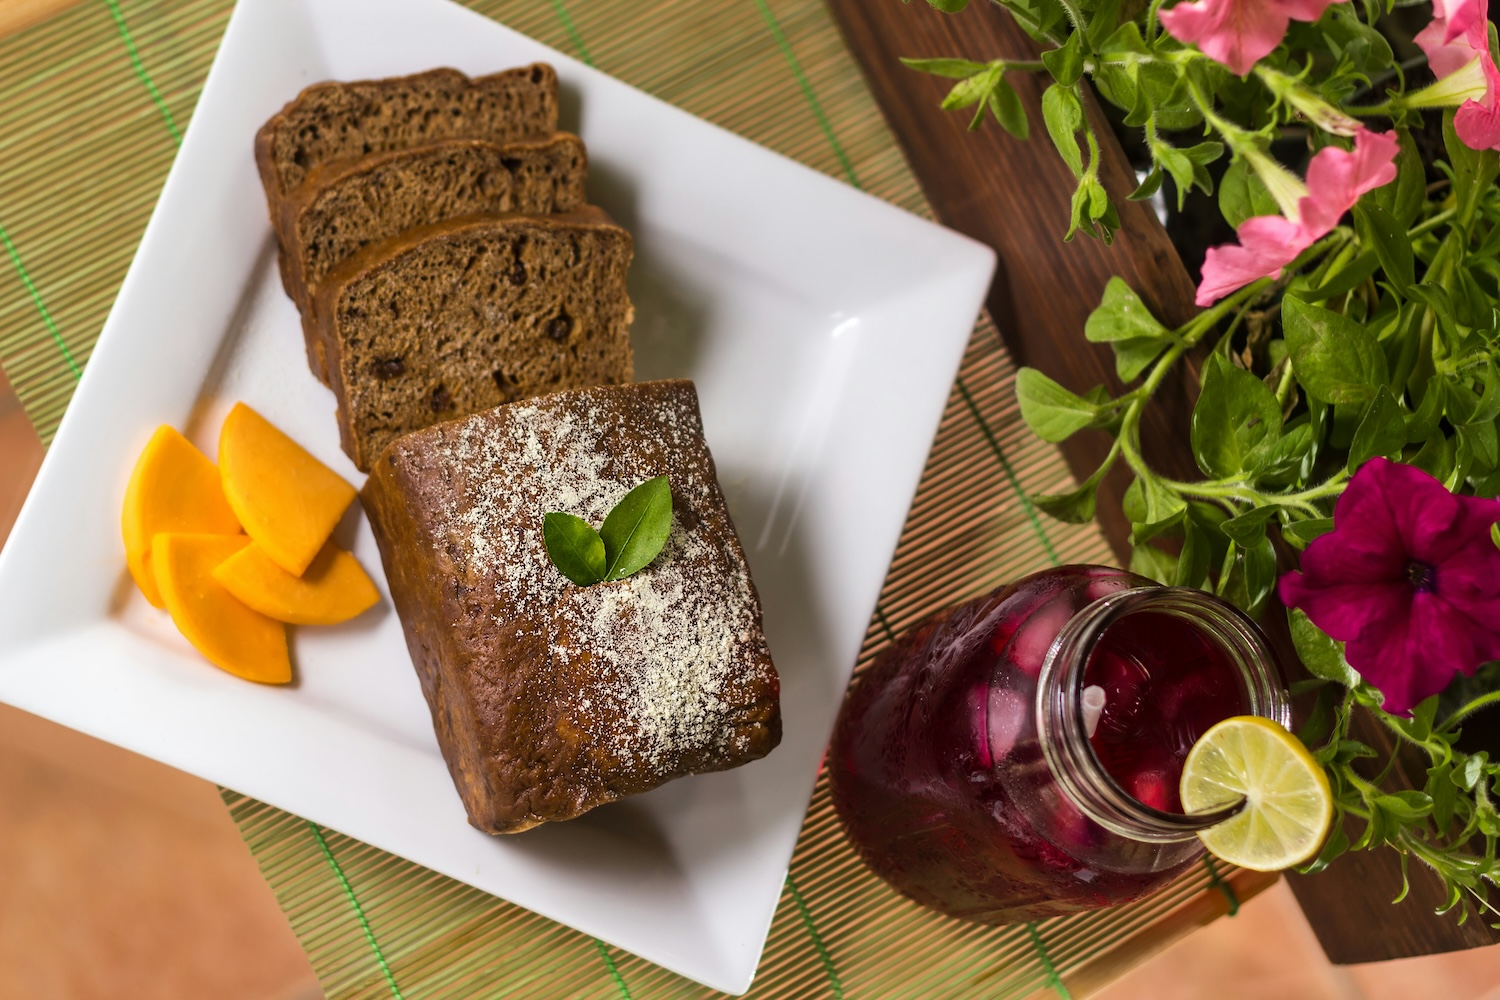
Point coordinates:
[[1061, 713]]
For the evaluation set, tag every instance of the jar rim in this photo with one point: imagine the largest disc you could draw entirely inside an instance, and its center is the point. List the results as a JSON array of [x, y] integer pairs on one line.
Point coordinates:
[[1062, 729]]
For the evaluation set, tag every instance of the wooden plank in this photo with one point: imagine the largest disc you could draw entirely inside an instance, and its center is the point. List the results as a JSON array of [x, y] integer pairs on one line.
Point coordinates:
[[1014, 196]]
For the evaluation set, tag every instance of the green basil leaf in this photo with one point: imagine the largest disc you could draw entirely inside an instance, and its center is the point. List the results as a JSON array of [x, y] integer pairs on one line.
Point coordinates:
[[1159, 509], [1380, 231], [1235, 413], [1382, 430], [637, 528], [1065, 63], [1007, 109], [955, 69], [1063, 116], [1052, 412], [1321, 655], [1121, 315], [1336, 360], [574, 547], [1125, 39], [1260, 574]]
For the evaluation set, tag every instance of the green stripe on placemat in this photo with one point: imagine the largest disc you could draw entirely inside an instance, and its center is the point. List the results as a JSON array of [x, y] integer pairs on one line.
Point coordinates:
[[94, 101]]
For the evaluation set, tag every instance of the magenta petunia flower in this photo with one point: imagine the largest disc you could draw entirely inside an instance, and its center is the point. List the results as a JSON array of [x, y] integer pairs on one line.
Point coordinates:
[[1457, 45], [1409, 579], [1237, 33], [1335, 180]]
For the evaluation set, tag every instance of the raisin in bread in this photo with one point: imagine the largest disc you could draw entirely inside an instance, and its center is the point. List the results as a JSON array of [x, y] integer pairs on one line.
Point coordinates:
[[549, 699], [453, 318], [344, 206]]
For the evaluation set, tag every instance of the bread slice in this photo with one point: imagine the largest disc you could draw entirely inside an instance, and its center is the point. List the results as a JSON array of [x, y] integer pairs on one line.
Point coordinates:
[[341, 121], [457, 317], [549, 699], [346, 205]]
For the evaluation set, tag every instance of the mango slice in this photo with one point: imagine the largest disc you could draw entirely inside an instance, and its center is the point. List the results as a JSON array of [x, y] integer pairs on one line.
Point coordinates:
[[287, 500], [174, 487], [333, 588], [230, 635]]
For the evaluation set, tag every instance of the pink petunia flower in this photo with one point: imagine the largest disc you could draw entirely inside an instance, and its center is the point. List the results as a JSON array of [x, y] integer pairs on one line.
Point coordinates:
[[1237, 33], [1335, 180], [1409, 579], [1457, 44]]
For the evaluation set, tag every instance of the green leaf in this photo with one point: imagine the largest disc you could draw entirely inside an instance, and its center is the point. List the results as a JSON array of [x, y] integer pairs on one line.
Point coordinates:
[[1278, 460], [1243, 195], [1052, 412], [955, 69], [1152, 184], [1336, 844], [1192, 562], [1066, 62], [1444, 794], [1422, 424], [1154, 564], [1153, 508], [1188, 167], [1125, 39], [1300, 533], [1380, 231], [574, 547], [1006, 107], [1134, 356], [1249, 527], [1063, 116], [1435, 457], [1260, 573], [948, 6], [1322, 656], [637, 528], [1235, 413], [972, 90], [1407, 807], [1121, 315], [1076, 507], [1336, 360], [1382, 430]]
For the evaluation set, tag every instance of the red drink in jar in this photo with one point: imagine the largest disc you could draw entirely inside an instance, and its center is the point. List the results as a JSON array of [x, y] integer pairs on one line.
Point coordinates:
[[1018, 757]]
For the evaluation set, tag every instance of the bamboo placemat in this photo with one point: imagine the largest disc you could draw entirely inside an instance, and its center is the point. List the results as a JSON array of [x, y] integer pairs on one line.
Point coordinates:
[[96, 100]]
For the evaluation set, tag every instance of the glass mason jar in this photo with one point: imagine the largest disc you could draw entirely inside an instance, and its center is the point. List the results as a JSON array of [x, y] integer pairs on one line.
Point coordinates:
[[1017, 757]]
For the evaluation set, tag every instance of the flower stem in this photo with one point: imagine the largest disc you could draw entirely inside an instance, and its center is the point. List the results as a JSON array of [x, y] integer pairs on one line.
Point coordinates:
[[1483, 701]]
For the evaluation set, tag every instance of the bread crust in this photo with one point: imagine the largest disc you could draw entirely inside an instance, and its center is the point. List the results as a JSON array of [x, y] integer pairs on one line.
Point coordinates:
[[538, 175], [541, 713], [610, 337]]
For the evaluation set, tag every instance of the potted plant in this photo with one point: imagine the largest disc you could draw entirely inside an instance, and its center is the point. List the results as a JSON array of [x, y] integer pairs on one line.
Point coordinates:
[[1348, 387]]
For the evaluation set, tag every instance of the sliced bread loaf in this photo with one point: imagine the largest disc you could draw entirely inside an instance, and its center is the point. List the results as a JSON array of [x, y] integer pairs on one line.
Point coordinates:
[[340, 121], [449, 319], [346, 205]]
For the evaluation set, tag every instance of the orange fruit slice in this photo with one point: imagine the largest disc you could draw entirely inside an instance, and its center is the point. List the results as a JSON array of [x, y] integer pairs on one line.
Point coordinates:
[[333, 588]]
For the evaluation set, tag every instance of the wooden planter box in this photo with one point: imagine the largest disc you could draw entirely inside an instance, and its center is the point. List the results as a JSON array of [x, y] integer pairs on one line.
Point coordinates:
[[1014, 196]]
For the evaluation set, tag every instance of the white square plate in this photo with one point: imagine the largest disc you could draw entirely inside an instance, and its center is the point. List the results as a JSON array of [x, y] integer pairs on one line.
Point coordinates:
[[822, 326]]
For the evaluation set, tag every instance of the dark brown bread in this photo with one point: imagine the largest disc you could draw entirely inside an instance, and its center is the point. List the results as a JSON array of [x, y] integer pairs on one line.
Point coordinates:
[[454, 318], [344, 206], [341, 121], [550, 699]]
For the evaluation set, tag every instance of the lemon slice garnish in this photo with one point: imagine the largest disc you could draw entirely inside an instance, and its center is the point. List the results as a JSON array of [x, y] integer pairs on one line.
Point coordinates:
[[1288, 804]]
